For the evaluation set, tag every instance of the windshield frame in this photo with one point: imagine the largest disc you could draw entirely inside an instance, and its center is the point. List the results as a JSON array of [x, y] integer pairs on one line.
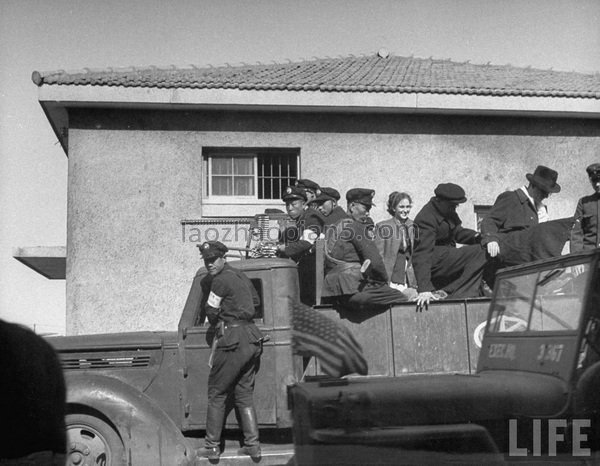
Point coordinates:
[[538, 269]]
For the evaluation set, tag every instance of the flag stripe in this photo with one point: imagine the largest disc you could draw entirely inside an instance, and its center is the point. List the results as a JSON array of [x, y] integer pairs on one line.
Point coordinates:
[[330, 342]]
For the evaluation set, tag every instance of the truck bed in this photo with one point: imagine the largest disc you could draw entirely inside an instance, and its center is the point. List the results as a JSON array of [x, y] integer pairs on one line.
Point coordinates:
[[399, 340]]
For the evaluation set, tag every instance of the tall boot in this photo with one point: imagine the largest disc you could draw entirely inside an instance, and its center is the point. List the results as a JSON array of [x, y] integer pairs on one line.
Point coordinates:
[[250, 428], [215, 417]]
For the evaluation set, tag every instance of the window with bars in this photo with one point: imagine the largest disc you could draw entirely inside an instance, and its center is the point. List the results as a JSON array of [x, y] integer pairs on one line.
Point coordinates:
[[250, 173]]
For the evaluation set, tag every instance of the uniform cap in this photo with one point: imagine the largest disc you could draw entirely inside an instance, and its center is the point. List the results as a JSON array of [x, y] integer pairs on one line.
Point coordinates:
[[361, 195], [450, 192], [593, 169], [212, 250], [307, 184], [293, 192], [545, 179], [327, 194]]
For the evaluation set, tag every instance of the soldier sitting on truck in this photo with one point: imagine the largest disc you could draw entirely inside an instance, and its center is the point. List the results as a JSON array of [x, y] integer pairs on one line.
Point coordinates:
[[230, 300], [326, 204], [300, 238], [355, 276]]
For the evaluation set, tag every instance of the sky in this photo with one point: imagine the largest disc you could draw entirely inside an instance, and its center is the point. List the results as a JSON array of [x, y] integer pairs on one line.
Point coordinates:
[[46, 35]]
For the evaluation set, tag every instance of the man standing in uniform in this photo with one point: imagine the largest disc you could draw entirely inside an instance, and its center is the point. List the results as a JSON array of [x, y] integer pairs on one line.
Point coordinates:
[[327, 204], [585, 232], [355, 275], [443, 270], [229, 300], [300, 238]]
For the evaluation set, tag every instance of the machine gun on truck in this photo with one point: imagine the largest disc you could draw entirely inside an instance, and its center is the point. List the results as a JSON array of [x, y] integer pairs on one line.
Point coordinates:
[[534, 395]]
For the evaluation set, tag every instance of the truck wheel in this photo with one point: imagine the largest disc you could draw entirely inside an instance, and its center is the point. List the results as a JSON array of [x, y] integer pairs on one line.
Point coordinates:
[[92, 442]]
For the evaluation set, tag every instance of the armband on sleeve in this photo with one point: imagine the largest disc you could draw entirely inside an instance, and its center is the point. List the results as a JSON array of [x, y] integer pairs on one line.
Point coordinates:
[[310, 236], [214, 300]]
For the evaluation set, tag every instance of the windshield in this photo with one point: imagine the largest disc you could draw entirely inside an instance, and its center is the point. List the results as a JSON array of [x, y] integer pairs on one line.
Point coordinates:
[[542, 301]]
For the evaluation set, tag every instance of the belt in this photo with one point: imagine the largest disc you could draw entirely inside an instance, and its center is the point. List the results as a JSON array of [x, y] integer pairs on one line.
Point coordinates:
[[236, 323]]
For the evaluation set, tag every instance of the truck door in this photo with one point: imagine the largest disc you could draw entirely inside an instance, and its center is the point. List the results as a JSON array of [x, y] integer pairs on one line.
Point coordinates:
[[195, 352]]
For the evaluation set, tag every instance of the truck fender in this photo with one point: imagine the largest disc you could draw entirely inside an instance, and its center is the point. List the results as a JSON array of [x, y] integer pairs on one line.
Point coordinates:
[[149, 435]]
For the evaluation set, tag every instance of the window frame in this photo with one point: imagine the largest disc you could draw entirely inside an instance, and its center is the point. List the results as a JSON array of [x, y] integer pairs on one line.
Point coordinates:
[[209, 153]]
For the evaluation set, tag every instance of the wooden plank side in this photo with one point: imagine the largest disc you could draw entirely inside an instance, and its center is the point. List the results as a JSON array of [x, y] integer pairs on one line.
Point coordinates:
[[434, 340], [375, 337]]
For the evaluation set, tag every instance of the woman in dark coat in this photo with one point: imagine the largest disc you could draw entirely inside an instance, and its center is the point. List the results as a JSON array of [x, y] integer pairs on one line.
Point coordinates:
[[395, 239]]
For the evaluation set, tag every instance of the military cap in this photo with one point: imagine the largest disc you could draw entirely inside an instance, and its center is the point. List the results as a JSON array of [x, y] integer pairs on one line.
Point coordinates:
[[593, 169], [308, 184], [212, 250], [544, 178], [293, 192], [361, 195], [327, 194], [450, 192]]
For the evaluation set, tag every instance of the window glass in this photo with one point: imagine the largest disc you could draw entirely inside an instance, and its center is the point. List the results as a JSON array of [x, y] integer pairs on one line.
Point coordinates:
[[222, 186], [243, 165], [543, 301], [221, 166], [262, 174]]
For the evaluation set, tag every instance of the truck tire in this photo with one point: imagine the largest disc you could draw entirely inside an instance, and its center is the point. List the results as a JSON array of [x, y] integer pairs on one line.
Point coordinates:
[[92, 442]]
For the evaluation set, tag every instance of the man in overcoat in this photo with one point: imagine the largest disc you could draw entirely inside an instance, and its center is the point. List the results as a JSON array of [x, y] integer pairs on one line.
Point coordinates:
[[443, 270], [517, 230], [518, 210]]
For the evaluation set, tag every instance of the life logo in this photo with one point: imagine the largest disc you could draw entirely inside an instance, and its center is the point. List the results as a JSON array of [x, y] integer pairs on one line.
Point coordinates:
[[506, 324]]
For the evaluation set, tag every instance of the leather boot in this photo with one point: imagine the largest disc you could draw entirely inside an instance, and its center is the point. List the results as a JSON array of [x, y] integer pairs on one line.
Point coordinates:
[[250, 428], [215, 417]]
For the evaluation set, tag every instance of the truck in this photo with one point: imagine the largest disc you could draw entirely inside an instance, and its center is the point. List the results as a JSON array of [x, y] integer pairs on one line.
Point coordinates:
[[533, 398], [139, 398]]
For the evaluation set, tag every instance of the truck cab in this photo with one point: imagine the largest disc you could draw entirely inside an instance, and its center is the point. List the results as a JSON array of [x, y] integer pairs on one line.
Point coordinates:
[[533, 397], [139, 398]]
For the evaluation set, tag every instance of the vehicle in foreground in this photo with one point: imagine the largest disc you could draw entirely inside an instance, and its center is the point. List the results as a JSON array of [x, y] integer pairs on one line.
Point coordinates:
[[534, 397]]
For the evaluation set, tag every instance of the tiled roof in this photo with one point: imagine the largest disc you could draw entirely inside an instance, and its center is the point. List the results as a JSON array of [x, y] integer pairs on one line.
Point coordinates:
[[350, 74]]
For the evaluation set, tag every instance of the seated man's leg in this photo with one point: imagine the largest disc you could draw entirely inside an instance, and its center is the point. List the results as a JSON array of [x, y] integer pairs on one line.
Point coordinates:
[[468, 262], [378, 296]]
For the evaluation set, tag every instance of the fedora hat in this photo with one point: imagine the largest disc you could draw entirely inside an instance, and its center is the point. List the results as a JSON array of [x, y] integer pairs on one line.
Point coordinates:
[[544, 178]]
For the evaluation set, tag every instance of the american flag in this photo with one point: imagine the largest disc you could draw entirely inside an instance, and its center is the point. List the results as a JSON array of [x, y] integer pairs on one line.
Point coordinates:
[[336, 348]]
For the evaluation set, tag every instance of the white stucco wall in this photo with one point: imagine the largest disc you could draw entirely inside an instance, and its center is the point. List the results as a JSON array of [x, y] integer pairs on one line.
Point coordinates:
[[128, 267]]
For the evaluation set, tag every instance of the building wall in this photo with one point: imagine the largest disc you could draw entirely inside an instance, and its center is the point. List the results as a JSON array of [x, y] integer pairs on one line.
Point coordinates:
[[135, 175]]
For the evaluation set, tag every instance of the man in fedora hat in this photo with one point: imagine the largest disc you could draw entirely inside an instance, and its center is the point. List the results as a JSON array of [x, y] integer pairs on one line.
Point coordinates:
[[585, 232], [512, 214], [442, 270]]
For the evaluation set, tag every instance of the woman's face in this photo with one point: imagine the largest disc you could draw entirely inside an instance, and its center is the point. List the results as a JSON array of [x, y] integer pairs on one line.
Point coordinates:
[[403, 209]]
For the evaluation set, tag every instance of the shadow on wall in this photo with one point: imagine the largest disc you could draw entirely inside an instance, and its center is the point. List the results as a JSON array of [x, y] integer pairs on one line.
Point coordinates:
[[156, 120]]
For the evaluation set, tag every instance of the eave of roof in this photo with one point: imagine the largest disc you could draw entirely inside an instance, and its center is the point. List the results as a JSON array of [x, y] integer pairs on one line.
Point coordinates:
[[350, 84]]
